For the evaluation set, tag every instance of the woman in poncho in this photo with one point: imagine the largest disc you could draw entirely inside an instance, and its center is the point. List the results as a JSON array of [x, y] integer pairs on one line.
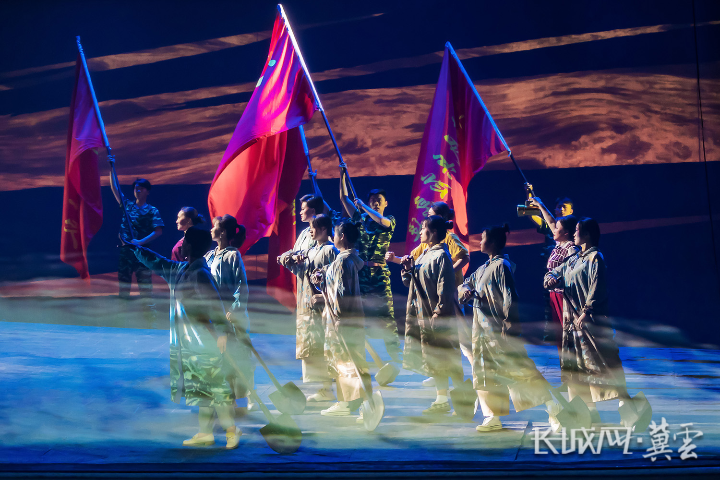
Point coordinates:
[[590, 360], [344, 320], [460, 256], [228, 269], [199, 335], [500, 363], [431, 342], [310, 329]]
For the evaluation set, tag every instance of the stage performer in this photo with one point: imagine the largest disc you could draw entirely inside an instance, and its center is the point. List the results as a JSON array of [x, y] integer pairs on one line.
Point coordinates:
[[431, 343], [344, 320], [501, 363], [199, 336], [563, 231], [310, 330], [590, 361], [376, 230], [187, 217], [147, 225], [228, 270], [458, 251]]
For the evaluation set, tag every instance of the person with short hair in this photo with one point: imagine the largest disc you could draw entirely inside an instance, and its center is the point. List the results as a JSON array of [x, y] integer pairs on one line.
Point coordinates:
[[376, 230], [147, 226], [199, 336], [501, 365], [344, 321], [187, 217], [310, 329], [431, 339]]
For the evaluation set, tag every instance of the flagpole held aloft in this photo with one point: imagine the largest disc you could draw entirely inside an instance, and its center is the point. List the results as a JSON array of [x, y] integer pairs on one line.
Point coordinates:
[[92, 92], [111, 157], [487, 112], [315, 95], [311, 173]]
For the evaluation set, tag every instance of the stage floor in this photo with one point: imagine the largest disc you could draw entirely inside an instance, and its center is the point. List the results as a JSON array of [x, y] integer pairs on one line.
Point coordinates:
[[96, 399]]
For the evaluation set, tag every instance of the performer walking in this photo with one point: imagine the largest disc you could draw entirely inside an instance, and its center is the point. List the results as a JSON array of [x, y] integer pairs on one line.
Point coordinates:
[[310, 330], [376, 230], [228, 270], [199, 335], [147, 225], [562, 230], [458, 252], [310, 206], [344, 320], [501, 363], [431, 342], [187, 217], [590, 361]]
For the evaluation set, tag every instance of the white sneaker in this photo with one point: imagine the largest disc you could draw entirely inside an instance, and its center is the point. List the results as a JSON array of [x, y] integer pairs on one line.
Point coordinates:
[[552, 417], [429, 382], [490, 424], [360, 418], [233, 438], [322, 395], [336, 410], [200, 440]]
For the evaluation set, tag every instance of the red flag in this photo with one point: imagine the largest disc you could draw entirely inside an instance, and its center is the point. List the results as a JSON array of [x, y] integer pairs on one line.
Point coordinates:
[[82, 201], [261, 170], [459, 138]]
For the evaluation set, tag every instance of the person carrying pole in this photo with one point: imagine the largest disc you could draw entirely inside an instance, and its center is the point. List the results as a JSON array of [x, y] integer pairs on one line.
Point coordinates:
[[344, 321]]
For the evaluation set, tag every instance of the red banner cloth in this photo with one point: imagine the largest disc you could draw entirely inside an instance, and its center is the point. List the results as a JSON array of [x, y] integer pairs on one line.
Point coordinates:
[[459, 138], [261, 170], [82, 201]]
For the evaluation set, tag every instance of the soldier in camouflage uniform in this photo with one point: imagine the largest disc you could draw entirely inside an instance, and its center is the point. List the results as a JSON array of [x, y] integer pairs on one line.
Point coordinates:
[[147, 226], [376, 230]]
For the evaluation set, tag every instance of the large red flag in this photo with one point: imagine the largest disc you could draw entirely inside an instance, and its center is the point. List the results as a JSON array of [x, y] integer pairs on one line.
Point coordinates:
[[459, 137], [82, 201], [261, 170]]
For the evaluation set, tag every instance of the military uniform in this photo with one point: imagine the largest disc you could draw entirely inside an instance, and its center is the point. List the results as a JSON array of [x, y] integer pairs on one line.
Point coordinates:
[[372, 245], [144, 221]]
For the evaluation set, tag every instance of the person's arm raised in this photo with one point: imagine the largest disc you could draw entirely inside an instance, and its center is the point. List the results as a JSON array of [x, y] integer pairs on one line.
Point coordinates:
[[344, 195], [114, 183], [384, 221], [547, 216]]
